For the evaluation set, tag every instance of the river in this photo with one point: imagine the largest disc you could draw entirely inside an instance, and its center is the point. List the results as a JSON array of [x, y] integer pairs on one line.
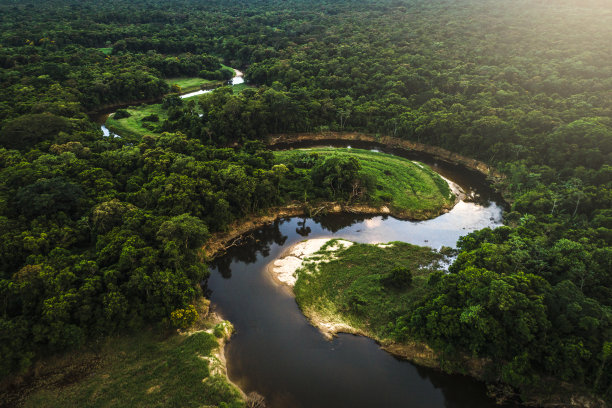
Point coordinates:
[[277, 353]]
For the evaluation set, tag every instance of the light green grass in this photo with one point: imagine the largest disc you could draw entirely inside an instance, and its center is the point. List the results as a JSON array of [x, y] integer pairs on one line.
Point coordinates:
[[351, 287], [239, 88], [192, 84], [106, 50], [225, 66], [146, 371], [404, 186], [134, 126]]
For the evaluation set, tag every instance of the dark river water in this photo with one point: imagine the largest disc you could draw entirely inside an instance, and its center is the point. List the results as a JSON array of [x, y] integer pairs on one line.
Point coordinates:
[[277, 353]]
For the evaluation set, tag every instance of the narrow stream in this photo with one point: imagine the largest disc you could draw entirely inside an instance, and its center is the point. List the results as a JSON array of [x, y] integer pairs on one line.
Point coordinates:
[[277, 353]]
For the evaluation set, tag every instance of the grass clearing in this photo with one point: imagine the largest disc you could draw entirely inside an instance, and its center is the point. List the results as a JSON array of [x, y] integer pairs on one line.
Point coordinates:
[[240, 87], [193, 84], [146, 369], [351, 285], [134, 126], [106, 50], [401, 184]]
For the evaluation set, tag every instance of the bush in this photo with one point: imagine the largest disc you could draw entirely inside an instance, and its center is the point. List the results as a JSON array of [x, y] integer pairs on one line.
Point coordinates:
[[151, 118], [184, 318], [399, 278], [223, 329], [356, 303], [121, 114], [172, 100]]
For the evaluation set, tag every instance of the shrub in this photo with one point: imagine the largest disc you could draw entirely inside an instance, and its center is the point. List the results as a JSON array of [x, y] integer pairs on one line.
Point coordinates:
[[121, 114], [151, 118], [184, 318], [399, 278]]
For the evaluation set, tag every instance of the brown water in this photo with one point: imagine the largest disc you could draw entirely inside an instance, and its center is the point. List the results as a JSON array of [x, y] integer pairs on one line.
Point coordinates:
[[277, 353]]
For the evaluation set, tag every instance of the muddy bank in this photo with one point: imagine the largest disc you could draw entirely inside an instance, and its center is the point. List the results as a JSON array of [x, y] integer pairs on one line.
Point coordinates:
[[390, 142], [217, 361]]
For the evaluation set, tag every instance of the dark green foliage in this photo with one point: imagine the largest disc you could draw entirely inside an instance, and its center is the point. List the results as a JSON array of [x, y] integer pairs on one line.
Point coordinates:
[[49, 196], [27, 130], [400, 278], [172, 100], [523, 86], [336, 173], [151, 118], [121, 114]]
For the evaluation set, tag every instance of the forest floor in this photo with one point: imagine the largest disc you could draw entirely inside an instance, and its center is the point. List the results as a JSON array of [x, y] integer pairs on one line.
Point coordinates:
[[153, 368]]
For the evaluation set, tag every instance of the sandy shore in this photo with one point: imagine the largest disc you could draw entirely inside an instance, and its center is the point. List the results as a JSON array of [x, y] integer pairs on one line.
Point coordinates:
[[283, 269]]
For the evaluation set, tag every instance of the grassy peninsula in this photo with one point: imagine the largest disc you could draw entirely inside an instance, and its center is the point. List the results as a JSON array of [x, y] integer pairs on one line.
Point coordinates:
[[363, 287], [138, 121], [408, 189]]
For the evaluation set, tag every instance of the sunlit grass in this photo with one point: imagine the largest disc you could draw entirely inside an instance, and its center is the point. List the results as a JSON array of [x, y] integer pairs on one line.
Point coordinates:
[[350, 286], [192, 84], [400, 183], [144, 370], [134, 126]]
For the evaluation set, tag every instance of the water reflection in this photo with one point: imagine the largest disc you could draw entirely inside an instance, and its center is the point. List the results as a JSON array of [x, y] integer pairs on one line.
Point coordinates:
[[277, 353], [107, 133]]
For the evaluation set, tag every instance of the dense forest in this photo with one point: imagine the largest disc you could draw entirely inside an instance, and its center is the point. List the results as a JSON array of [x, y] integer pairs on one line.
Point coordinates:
[[100, 235]]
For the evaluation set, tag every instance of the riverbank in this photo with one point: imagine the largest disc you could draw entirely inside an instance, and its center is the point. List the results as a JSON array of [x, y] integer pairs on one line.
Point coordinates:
[[138, 369], [410, 189], [321, 271], [345, 287]]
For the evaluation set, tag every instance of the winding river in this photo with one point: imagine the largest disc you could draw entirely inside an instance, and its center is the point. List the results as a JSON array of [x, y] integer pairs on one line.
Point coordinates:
[[277, 353]]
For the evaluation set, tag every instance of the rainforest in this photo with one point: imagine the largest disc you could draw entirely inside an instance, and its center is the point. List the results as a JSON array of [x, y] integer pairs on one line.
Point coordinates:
[[158, 158]]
